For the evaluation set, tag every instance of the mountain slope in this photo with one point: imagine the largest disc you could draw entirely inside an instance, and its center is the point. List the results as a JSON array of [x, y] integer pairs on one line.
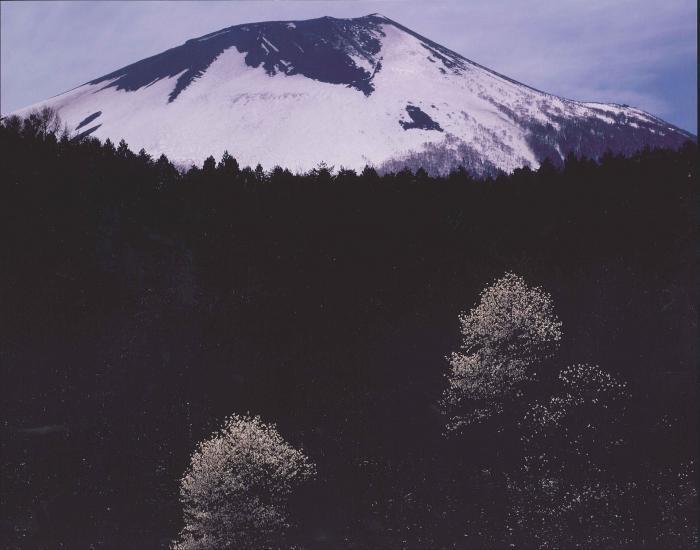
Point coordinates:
[[348, 92]]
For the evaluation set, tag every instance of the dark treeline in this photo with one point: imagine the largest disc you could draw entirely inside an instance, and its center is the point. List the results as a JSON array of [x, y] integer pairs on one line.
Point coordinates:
[[141, 305]]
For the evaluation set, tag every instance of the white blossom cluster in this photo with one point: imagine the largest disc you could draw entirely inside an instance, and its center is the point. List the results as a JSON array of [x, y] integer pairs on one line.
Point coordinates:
[[511, 317], [511, 330], [593, 383], [235, 490]]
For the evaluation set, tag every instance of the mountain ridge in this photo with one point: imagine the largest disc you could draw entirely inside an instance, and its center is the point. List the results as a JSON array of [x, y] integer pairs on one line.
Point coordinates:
[[349, 92]]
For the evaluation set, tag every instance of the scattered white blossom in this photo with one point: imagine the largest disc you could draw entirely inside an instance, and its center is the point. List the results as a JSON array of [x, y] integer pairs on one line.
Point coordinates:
[[565, 484], [570, 422]]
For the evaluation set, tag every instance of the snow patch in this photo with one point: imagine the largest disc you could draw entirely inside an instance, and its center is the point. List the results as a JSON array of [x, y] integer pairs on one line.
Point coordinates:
[[266, 41]]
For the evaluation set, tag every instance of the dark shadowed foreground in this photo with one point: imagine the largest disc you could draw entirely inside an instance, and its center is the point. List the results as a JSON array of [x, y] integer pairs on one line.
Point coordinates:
[[141, 307]]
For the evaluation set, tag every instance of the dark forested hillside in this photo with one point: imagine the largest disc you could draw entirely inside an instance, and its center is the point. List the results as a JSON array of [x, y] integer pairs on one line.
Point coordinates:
[[141, 306]]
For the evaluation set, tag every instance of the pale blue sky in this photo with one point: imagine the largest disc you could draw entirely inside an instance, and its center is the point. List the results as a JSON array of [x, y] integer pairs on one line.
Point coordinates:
[[640, 52]]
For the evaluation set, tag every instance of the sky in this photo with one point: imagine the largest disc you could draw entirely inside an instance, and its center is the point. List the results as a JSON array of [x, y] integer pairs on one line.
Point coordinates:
[[639, 52]]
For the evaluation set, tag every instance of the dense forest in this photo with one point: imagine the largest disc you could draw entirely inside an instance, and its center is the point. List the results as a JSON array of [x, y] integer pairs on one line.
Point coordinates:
[[143, 305]]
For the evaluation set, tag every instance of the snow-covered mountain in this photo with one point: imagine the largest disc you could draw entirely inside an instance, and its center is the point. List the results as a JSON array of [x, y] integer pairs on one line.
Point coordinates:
[[348, 92]]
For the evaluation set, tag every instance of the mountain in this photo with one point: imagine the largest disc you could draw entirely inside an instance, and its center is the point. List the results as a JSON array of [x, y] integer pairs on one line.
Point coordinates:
[[348, 92]]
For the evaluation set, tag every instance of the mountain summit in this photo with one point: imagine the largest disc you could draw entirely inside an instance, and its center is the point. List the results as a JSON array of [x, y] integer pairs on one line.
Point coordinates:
[[349, 92]]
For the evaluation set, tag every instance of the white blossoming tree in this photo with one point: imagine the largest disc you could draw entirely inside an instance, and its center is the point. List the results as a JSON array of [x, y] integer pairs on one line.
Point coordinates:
[[510, 332], [235, 491]]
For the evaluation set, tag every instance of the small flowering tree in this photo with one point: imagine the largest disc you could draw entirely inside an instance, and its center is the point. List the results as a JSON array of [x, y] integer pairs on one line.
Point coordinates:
[[504, 338], [235, 491], [576, 427], [566, 492]]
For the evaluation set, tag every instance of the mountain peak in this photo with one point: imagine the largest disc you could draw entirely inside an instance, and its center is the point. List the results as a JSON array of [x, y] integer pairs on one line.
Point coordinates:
[[306, 47]]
